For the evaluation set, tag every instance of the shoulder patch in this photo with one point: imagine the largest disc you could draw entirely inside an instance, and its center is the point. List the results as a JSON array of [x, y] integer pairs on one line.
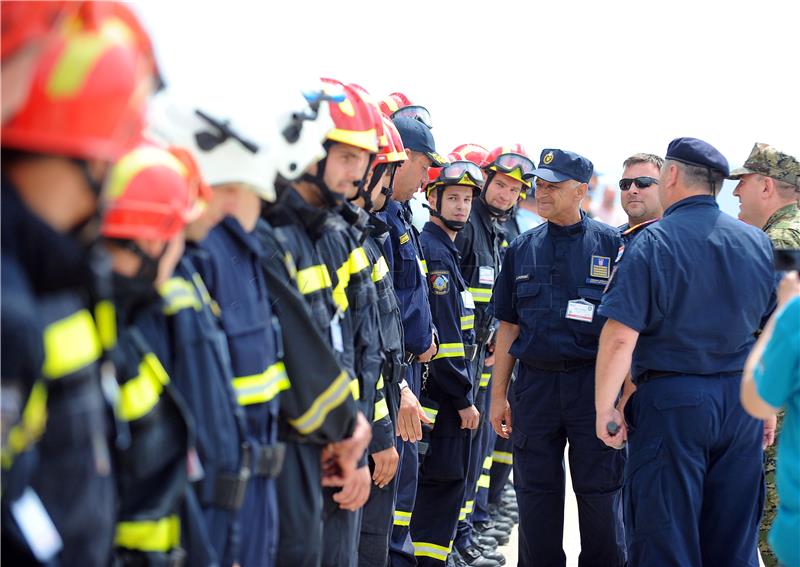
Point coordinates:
[[439, 282]]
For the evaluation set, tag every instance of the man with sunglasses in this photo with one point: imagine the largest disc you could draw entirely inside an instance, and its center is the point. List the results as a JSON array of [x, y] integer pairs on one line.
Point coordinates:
[[639, 187], [546, 299], [447, 382]]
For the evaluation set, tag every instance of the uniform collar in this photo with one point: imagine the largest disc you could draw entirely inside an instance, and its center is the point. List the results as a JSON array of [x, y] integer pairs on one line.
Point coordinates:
[[378, 228], [789, 211], [436, 232], [484, 216], [571, 230], [232, 226], [693, 201]]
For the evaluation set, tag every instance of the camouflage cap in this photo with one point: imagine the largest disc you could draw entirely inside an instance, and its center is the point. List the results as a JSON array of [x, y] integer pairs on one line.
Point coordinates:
[[766, 160]]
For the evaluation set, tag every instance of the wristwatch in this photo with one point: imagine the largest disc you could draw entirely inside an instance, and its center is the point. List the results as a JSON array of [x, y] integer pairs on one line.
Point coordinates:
[[403, 384]]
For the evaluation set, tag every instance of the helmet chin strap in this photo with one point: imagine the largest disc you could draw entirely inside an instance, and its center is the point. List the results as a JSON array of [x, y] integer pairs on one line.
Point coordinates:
[[388, 191], [331, 198], [148, 270], [494, 211], [437, 212], [365, 192]]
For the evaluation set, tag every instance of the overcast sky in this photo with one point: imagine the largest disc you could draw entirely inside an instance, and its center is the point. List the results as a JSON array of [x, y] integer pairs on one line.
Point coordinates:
[[604, 79]]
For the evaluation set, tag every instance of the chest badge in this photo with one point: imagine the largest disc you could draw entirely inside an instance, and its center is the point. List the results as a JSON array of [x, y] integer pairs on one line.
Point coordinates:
[[439, 282], [601, 267]]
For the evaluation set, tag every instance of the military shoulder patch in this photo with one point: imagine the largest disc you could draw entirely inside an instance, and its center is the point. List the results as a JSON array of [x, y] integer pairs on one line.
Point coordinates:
[[601, 267], [439, 282]]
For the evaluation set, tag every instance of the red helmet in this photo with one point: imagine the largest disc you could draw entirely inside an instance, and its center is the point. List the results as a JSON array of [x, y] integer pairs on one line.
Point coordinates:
[[354, 119], [87, 96], [513, 161], [473, 152], [148, 196], [459, 171], [375, 112], [25, 22], [200, 192], [392, 149], [393, 103]]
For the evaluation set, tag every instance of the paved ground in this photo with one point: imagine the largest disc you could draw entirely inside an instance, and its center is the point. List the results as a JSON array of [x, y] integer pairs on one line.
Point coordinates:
[[572, 540]]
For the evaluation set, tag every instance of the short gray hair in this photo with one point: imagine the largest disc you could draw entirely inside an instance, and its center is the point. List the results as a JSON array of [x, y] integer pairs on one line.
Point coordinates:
[[699, 176], [635, 159]]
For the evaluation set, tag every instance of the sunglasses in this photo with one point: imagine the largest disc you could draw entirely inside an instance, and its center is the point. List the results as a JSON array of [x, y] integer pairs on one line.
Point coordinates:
[[415, 111], [641, 182]]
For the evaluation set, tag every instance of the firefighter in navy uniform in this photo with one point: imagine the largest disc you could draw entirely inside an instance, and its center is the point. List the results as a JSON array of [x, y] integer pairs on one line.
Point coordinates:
[[57, 321], [318, 408], [448, 384], [403, 253], [148, 203], [546, 299], [509, 172], [377, 521]]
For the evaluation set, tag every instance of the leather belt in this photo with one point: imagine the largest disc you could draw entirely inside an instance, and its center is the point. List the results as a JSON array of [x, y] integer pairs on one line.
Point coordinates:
[[649, 375], [559, 365]]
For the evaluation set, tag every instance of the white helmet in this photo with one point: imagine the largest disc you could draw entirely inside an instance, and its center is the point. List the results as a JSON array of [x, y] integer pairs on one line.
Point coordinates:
[[252, 142]]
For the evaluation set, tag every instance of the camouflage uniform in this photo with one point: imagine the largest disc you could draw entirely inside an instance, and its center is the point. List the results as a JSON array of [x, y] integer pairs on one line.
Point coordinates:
[[783, 229]]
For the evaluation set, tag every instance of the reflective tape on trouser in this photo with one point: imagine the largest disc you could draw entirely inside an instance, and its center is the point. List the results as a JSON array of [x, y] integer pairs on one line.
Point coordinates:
[[261, 388], [355, 387], [333, 396], [502, 458], [487, 463], [467, 322], [484, 481], [450, 350], [481, 294], [402, 518], [425, 549], [485, 377], [149, 535]]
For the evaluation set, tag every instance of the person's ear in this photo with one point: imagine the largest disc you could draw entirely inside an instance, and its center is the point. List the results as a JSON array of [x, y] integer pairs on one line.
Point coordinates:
[[768, 189]]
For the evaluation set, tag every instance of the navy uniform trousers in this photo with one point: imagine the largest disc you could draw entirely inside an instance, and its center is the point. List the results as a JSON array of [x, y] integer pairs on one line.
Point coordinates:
[[549, 408], [693, 453]]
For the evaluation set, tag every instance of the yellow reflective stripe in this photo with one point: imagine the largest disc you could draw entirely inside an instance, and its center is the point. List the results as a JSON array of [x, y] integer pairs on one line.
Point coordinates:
[[75, 64], [483, 481], [380, 269], [313, 278], [339, 293], [105, 320], [149, 535], [450, 350], [462, 515], [470, 506], [380, 384], [204, 295], [502, 457], [402, 518], [179, 294], [432, 550], [424, 266], [381, 410], [355, 387], [30, 427], [333, 396], [485, 377], [137, 161], [70, 344], [261, 388], [431, 414], [467, 322], [481, 294], [139, 395], [487, 463], [358, 260], [504, 244]]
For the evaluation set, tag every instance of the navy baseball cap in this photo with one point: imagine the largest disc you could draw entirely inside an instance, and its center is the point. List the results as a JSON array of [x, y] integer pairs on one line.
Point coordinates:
[[692, 151], [418, 137], [559, 165]]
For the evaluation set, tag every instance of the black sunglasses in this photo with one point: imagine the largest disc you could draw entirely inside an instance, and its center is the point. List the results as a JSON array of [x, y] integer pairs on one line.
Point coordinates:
[[641, 182]]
